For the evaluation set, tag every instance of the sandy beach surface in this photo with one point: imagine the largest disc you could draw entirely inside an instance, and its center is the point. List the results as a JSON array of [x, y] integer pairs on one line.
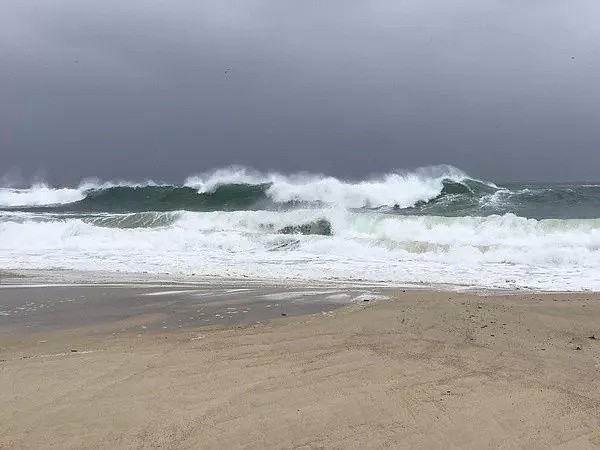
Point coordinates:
[[252, 365]]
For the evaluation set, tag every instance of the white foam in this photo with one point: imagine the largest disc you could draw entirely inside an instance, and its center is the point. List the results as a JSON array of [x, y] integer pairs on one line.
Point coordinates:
[[38, 195], [338, 297], [293, 295], [403, 188], [159, 293], [489, 252], [44, 195], [368, 297], [395, 188]]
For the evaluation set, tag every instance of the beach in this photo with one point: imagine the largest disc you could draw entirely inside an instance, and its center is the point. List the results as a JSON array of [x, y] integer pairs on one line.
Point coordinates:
[[146, 364], [313, 225]]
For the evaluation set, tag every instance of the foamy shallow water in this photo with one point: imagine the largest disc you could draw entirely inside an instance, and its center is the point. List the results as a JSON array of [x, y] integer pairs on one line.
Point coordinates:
[[482, 252], [432, 226]]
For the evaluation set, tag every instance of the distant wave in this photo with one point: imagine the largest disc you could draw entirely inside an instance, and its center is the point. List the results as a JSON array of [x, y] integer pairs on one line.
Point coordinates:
[[402, 189], [432, 191], [241, 188], [39, 195]]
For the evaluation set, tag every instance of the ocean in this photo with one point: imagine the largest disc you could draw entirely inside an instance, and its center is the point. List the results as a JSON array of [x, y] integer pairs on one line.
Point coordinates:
[[435, 226]]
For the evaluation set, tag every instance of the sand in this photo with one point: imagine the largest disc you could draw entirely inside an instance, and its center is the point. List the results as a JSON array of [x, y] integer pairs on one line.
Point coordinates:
[[420, 369]]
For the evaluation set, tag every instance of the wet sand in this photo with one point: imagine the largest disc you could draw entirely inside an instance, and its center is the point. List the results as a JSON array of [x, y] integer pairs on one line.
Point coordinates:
[[95, 367], [117, 309]]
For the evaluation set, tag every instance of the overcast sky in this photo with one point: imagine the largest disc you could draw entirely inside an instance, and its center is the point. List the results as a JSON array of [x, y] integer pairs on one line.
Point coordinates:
[[503, 89]]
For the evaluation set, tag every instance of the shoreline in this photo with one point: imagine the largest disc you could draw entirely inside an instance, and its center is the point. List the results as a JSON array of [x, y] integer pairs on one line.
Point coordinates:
[[418, 368], [69, 277], [101, 309]]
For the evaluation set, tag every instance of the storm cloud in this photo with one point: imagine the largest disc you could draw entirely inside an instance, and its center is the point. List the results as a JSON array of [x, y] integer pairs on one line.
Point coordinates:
[[505, 90]]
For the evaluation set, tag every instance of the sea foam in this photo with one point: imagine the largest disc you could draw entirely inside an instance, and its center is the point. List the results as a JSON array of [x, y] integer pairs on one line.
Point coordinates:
[[402, 189], [433, 225], [486, 252]]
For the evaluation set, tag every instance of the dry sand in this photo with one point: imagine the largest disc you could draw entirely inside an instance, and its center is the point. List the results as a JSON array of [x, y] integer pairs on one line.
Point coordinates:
[[420, 370]]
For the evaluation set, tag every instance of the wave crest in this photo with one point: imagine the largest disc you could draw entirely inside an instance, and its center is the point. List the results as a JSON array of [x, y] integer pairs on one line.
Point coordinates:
[[242, 188], [402, 189]]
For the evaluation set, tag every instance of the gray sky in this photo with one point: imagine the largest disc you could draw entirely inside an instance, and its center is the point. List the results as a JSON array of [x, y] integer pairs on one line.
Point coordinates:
[[503, 89]]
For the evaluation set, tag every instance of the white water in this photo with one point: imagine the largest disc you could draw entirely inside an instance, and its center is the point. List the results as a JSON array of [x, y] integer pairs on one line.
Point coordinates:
[[481, 252], [403, 188], [38, 195], [44, 195], [485, 252]]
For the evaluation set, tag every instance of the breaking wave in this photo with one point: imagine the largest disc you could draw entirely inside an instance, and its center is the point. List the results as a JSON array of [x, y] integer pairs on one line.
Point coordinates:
[[242, 189], [39, 195], [434, 225], [494, 251]]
